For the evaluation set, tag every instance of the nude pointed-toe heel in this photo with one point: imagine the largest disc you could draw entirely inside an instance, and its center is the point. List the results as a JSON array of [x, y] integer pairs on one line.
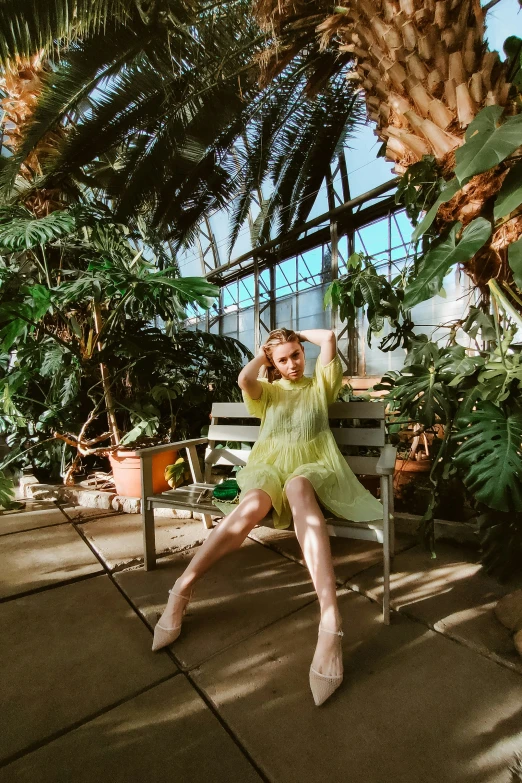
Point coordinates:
[[323, 685], [164, 636]]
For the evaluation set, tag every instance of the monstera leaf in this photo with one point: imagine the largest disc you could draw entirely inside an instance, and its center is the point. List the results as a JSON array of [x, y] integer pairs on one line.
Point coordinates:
[[496, 379], [487, 142], [489, 455], [456, 365], [25, 232], [427, 281], [510, 194], [421, 393]]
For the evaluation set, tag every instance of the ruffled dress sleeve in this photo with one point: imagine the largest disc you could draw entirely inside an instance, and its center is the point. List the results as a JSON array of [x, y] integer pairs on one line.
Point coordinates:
[[258, 407], [329, 377]]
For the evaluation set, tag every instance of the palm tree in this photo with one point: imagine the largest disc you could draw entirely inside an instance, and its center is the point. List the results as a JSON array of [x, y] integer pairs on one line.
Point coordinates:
[[157, 110], [425, 71]]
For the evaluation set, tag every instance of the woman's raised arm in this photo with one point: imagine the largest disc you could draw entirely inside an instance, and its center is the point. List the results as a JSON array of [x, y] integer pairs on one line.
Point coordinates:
[[325, 338], [247, 378]]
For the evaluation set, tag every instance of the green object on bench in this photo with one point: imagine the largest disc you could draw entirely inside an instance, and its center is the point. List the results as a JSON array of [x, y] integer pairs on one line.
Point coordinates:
[[227, 490]]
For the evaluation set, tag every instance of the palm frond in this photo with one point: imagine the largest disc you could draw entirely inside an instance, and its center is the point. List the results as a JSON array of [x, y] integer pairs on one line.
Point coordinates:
[[85, 67], [300, 154], [27, 27]]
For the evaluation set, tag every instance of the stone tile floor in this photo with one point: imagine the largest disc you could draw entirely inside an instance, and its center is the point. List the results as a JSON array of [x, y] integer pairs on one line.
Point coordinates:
[[434, 697]]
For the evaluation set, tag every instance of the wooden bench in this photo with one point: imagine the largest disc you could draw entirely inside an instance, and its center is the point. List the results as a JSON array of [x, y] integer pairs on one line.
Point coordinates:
[[346, 423]]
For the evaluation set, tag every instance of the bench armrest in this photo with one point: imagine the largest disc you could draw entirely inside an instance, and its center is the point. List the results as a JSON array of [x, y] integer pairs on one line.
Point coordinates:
[[386, 463], [180, 444], [148, 454]]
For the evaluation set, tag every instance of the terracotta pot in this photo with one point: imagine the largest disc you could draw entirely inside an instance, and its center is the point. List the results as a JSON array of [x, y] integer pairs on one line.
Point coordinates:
[[407, 469], [126, 471]]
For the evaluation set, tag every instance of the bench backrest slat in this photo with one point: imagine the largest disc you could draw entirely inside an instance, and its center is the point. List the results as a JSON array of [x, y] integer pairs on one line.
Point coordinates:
[[338, 410], [359, 436], [347, 436], [359, 465]]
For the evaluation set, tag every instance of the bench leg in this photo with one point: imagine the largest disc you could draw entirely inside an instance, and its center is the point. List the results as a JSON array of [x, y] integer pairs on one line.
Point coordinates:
[[386, 550], [149, 537], [392, 520], [207, 521]]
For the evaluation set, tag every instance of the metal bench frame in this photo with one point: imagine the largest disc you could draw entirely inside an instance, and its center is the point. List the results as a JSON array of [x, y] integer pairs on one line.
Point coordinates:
[[188, 497]]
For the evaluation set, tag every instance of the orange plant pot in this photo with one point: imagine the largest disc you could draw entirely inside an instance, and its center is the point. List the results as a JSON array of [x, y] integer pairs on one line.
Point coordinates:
[[127, 476], [407, 469]]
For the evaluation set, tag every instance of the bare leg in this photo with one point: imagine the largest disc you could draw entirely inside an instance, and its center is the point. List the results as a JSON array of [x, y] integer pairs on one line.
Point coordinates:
[[311, 532], [227, 536]]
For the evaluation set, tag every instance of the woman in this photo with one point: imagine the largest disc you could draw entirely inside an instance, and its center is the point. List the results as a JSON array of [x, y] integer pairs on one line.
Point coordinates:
[[294, 466]]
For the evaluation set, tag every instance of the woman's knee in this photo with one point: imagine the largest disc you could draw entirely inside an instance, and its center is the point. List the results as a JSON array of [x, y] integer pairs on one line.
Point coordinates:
[[255, 506], [299, 488]]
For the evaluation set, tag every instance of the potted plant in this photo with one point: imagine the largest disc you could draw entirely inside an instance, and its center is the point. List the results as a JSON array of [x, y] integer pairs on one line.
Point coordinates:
[[413, 455]]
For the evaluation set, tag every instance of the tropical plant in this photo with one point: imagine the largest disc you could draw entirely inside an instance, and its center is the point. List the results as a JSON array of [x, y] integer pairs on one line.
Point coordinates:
[[84, 367], [475, 399], [381, 299]]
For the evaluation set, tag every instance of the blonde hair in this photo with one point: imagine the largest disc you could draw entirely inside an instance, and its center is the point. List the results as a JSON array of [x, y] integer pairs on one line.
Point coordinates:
[[277, 337]]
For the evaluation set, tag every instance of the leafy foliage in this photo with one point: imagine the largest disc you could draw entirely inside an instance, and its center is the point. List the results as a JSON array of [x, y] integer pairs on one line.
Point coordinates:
[[431, 270], [513, 50], [363, 286], [446, 193], [510, 194], [6, 491], [476, 400], [419, 186], [88, 299], [24, 233], [489, 455], [487, 142], [291, 143], [515, 261]]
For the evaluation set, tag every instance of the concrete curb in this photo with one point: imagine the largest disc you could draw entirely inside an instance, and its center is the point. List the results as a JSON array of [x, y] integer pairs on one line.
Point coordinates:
[[461, 532]]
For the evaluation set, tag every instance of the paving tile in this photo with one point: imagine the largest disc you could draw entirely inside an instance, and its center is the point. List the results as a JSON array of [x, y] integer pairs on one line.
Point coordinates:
[[43, 557], [413, 706], [162, 735], [31, 519], [242, 593], [119, 539], [67, 653], [84, 514], [349, 555], [452, 593]]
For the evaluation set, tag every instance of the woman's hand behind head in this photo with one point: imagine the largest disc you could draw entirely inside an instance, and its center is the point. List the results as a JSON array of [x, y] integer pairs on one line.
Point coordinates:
[[261, 354]]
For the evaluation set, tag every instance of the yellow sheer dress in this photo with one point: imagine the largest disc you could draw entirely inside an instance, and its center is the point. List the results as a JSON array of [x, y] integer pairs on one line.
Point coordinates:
[[295, 440]]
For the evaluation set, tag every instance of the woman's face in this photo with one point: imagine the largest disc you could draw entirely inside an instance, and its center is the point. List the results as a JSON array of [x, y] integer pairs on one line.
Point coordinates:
[[289, 359]]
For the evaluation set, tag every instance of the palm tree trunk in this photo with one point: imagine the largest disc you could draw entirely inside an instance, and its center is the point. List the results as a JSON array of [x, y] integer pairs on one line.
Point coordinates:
[[426, 72], [21, 83]]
